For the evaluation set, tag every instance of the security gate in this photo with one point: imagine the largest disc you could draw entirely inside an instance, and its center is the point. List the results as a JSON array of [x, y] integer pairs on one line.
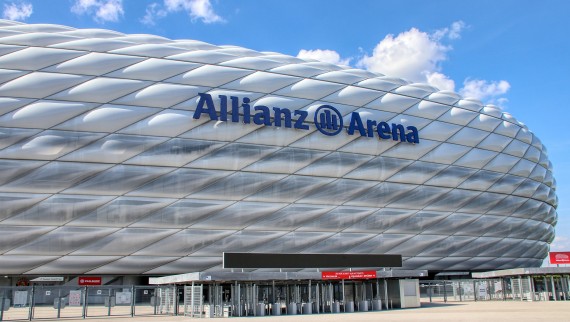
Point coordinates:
[[193, 301]]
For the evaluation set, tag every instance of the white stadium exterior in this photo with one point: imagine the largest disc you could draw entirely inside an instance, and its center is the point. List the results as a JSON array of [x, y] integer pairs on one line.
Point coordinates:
[[140, 155]]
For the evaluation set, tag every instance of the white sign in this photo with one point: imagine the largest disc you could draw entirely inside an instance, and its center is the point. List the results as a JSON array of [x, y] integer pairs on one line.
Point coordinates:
[[482, 290], [48, 279], [48, 293], [123, 298], [99, 292], [145, 292], [20, 298], [74, 298]]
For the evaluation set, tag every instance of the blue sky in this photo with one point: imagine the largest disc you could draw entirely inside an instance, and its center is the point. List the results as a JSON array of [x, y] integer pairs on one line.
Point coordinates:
[[511, 53]]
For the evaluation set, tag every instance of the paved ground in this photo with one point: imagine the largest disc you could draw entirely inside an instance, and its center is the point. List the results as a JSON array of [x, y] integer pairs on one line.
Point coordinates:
[[456, 312]]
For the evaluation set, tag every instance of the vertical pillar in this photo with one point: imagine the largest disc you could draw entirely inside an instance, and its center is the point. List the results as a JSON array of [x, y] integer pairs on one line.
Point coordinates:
[[546, 298], [475, 291], [521, 288], [531, 287], [132, 301], [32, 303], [554, 295], [2, 307], [386, 293], [342, 294], [273, 291], [309, 293], [504, 286]]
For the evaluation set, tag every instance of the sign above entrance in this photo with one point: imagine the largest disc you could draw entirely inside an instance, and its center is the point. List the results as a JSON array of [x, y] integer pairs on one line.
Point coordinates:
[[89, 281], [352, 275], [280, 260], [48, 279], [559, 257]]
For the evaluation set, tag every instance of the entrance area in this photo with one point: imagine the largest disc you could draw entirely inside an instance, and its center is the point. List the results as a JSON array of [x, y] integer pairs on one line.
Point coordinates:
[[225, 294]]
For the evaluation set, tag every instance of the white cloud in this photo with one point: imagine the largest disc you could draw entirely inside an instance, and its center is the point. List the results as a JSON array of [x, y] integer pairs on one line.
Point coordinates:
[[560, 244], [440, 81], [102, 10], [196, 9], [412, 55], [327, 56], [485, 90], [417, 56], [452, 32], [17, 11]]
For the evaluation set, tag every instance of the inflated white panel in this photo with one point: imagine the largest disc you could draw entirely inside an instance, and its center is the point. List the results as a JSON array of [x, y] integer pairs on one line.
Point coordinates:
[[470, 104], [107, 118], [440, 131], [427, 109], [153, 69], [458, 116], [495, 142], [502, 163], [353, 96], [94, 64], [210, 75], [392, 103], [44, 114], [476, 158], [44, 84], [149, 50], [100, 90], [161, 95], [34, 58], [310, 89], [262, 82], [166, 123]]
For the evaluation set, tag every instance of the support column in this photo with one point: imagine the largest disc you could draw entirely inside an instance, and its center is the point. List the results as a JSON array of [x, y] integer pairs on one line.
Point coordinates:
[[554, 295], [386, 293]]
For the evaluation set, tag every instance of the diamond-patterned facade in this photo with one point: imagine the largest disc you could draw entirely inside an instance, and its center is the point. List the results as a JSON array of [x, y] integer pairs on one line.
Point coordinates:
[[103, 169]]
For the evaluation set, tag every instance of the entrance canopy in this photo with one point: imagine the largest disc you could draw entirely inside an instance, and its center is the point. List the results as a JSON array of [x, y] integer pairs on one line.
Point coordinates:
[[523, 272], [268, 276]]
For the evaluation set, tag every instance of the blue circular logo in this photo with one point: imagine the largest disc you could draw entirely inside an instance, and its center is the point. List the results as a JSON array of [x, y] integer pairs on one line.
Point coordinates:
[[328, 120]]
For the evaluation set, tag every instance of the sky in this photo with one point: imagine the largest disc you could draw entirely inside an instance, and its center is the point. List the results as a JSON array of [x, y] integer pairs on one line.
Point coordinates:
[[511, 53]]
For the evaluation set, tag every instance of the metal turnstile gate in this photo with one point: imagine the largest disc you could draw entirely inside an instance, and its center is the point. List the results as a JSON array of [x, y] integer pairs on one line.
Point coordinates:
[[193, 301]]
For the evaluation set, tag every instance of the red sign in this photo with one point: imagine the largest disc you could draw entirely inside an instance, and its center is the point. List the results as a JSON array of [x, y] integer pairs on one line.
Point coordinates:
[[355, 275], [90, 280], [559, 257]]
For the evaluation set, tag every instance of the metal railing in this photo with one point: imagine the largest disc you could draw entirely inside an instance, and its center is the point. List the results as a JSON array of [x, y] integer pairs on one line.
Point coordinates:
[[54, 302]]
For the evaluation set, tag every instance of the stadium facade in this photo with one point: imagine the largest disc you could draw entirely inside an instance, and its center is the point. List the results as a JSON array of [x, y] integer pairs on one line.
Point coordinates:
[[140, 155]]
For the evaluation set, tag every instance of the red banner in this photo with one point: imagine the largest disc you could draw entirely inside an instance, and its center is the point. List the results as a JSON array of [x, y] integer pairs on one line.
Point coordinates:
[[559, 257], [89, 280], [354, 275]]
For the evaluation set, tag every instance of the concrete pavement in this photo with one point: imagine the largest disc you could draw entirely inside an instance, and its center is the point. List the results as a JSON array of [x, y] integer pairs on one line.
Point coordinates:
[[510, 311]]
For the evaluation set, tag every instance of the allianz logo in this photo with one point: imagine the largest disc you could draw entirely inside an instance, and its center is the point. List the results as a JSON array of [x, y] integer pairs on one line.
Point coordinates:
[[327, 119]]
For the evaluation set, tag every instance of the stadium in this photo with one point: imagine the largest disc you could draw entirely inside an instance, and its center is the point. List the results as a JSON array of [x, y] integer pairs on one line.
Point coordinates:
[[140, 155]]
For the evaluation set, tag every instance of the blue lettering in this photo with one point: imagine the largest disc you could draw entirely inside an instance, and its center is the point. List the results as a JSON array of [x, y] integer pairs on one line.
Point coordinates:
[[356, 124], [370, 127], [383, 130], [299, 122], [398, 128], [209, 109], [262, 117], [286, 113], [413, 136]]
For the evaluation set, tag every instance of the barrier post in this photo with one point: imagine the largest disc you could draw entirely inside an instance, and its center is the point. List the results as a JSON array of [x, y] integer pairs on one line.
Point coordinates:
[[84, 313], [32, 303], [132, 301]]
